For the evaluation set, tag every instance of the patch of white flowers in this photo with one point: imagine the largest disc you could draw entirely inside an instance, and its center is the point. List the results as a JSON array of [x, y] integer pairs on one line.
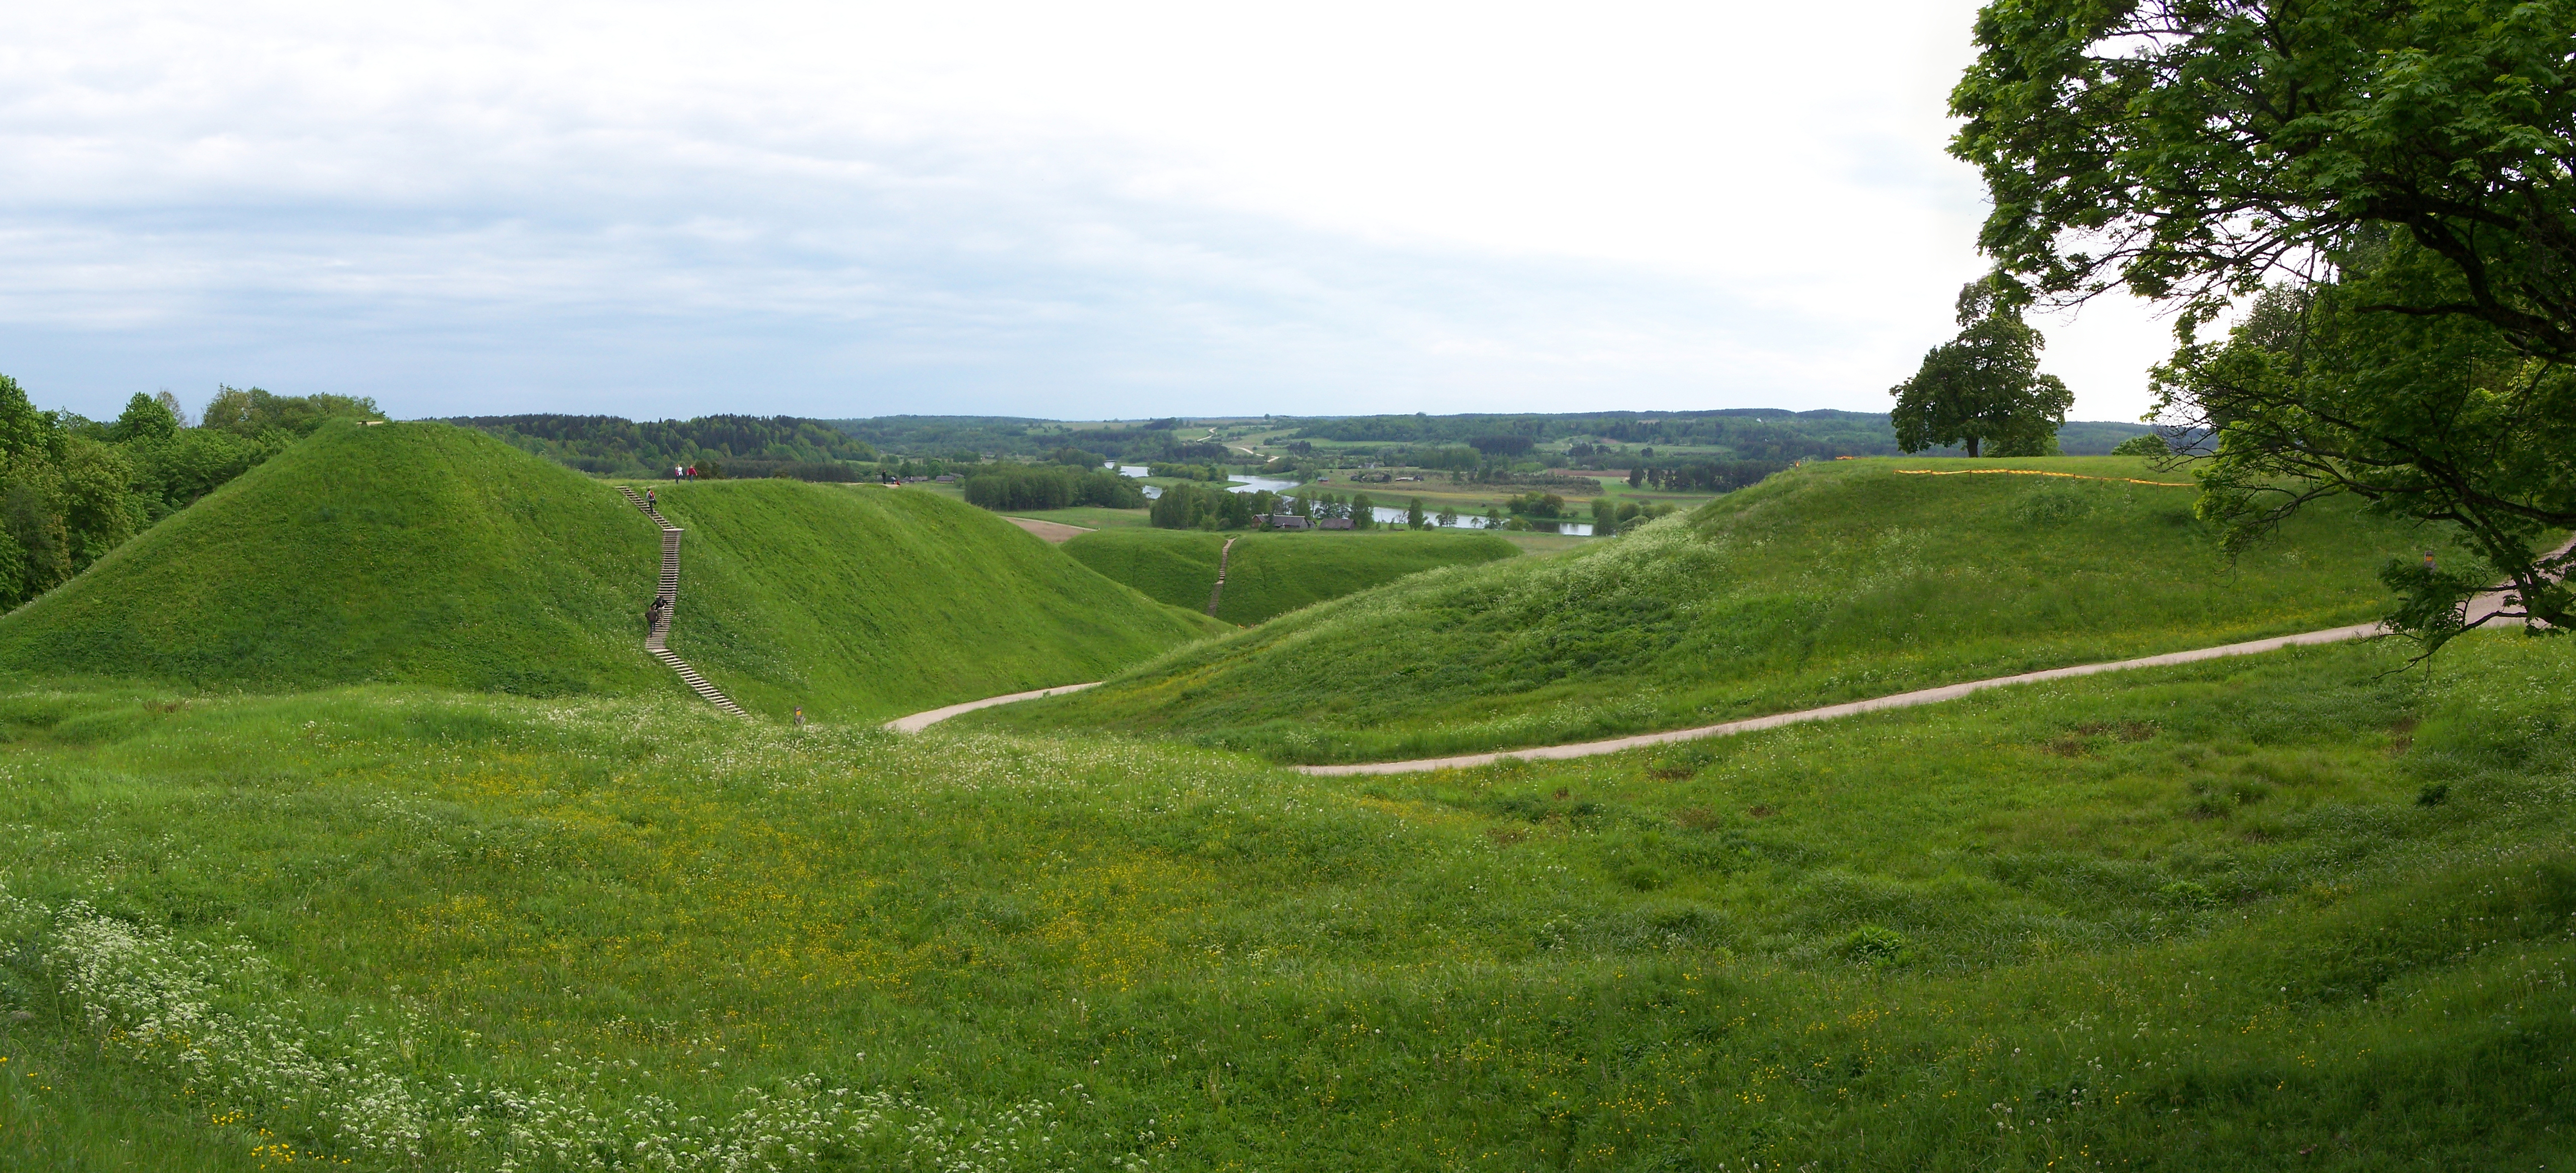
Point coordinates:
[[217, 1017]]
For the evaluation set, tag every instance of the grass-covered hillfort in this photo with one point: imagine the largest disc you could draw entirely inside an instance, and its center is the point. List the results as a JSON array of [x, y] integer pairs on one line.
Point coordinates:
[[346, 820]]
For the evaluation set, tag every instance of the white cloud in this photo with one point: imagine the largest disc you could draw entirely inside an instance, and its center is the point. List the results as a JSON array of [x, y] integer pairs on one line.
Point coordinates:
[[1021, 208]]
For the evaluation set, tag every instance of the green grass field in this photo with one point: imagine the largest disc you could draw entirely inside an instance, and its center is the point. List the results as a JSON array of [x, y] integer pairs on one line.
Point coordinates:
[[1827, 583], [2279, 913], [1271, 574], [423, 553], [289, 876]]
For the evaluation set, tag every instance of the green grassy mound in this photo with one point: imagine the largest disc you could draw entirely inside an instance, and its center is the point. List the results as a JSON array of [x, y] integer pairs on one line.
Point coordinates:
[[864, 603], [413, 552], [2261, 914], [429, 554], [1271, 574], [1828, 583]]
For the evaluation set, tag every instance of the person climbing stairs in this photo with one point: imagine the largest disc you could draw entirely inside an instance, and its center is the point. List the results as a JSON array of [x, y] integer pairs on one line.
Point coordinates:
[[666, 599]]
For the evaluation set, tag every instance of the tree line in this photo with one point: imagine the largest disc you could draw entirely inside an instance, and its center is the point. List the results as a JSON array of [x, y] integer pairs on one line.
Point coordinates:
[[967, 439], [1748, 433], [1049, 486], [1705, 476], [740, 445]]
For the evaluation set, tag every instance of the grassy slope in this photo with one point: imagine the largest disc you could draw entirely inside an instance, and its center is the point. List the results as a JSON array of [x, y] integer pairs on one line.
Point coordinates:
[[1828, 583], [428, 554], [414, 552], [863, 603], [1269, 575], [2193, 918]]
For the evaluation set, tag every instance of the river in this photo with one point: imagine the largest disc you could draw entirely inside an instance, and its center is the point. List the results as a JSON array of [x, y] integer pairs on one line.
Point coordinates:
[[1385, 516]]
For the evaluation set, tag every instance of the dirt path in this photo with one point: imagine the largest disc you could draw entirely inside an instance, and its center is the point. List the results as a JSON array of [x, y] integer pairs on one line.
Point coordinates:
[[920, 721], [1902, 700], [2477, 608], [1584, 749], [1223, 552], [1055, 532]]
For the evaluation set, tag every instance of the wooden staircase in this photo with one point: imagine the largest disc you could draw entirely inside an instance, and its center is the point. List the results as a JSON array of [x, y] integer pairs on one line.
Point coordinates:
[[657, 640]]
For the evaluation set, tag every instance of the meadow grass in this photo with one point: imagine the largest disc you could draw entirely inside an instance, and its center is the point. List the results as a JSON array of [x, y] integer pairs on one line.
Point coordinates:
[[2282, 912], [1826, 583], [1271, 574], [429, 554]]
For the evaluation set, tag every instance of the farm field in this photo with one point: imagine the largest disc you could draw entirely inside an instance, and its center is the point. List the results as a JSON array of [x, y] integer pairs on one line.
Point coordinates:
[[1271, 574], [2261, 914], [1828, 583], [429, 554], [1475, 500]]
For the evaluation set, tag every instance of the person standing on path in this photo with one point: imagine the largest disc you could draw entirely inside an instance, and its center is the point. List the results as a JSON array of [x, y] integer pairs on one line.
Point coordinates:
[[800, 716], [648, 498]]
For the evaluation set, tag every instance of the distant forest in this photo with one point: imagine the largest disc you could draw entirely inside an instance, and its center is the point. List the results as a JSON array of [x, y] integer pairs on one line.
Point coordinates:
[[965, 437], [760, 446], [1750, 433], [737, 445]]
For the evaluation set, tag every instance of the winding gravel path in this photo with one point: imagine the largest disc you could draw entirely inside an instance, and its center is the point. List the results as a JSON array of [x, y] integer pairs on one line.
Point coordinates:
[[2478, 608], [1902, 700], [1221, 555], [924, 720], [1584, 749]]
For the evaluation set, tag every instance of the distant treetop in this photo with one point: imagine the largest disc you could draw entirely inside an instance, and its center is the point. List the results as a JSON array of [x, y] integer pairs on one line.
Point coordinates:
[[611, 445]]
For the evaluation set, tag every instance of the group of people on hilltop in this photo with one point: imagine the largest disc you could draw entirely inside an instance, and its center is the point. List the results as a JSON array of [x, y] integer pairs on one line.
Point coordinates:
[[685, 473]]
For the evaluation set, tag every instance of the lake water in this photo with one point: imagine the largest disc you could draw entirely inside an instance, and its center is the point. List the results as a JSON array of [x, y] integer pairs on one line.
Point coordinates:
[[1252, 484]]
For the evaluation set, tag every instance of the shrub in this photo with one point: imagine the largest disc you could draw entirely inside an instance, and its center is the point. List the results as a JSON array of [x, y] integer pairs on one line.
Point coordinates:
[[1878, 946], [1645, 877], [2188, 896]]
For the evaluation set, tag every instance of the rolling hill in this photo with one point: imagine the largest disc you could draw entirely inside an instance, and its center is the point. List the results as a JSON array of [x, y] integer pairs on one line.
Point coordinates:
[[1827, 583], [429, 554], [1271, 574], [2280, 913], [861, 602]]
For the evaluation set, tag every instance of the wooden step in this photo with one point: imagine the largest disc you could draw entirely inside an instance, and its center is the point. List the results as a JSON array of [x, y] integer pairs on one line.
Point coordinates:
[[668, 591]]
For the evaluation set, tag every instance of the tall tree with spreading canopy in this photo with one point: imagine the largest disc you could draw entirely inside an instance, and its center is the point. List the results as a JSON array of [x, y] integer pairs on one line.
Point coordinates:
[[1984, 387], [2392, 181]]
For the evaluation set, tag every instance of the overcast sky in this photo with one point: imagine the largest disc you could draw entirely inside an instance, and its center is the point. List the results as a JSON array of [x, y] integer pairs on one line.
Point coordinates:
[[1071, 211]]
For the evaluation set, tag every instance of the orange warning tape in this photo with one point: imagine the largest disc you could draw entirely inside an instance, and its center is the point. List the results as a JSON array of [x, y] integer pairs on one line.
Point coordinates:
[[2038, 472]]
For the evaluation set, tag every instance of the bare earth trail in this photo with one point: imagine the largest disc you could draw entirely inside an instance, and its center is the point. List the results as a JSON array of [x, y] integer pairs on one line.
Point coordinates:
[[1584, 749], [924, 720], [1221, 555], [1055, 532], [2481, 607], [1902, 700]]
